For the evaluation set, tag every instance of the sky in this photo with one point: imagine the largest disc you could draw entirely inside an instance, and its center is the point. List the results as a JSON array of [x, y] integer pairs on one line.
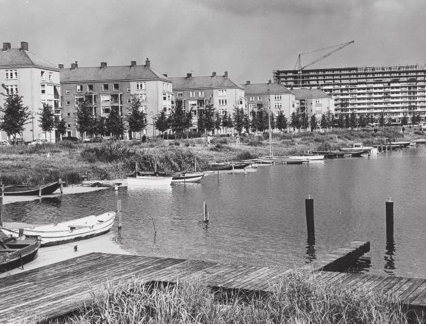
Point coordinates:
[[248, 38]]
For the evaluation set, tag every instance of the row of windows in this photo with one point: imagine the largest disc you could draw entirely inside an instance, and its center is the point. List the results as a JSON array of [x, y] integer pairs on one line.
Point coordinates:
[[11, 74], [43, 75], [11, 89]]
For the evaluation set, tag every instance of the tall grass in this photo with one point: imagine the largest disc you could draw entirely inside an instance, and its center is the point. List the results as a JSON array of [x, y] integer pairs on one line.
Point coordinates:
[[297, 298]]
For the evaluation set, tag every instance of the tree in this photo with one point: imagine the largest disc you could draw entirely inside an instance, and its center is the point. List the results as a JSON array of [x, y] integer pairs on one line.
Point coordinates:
[[137, 118], [62, 127], [115, 124], [253, 122], [341, 121], [162, 122], [295, 121], [246, 123], [238, 120], [314, 122], [347, 121], [85, 116], [206, 118], [100, 126], [281, 121], [404, 120], [225, 120], [304, 120], [353, 120], [177, 119], [46, 118], [217, 121], [414, 119], [15, 115], [382, 119], [324, 122], [363, 121]]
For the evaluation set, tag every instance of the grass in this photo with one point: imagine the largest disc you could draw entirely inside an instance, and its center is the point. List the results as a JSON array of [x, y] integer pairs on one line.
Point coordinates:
[[297, 298], [40, 164]]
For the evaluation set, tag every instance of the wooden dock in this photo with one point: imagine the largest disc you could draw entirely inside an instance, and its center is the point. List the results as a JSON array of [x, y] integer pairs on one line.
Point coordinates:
[[54, 290]]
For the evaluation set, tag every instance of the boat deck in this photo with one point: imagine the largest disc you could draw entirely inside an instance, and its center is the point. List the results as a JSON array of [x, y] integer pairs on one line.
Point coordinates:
[[54, 290]]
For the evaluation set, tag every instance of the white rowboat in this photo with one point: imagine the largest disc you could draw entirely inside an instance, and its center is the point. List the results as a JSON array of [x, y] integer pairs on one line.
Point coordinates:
[[63, 232]]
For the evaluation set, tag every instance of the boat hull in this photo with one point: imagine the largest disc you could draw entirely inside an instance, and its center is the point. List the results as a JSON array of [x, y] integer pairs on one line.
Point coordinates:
[[188, 177], [148, 181], [31, 191], [20, 252], [69, 231]]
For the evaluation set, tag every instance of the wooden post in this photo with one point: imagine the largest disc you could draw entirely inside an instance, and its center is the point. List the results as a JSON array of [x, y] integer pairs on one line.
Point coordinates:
[[206, 213], [1, 204], [389, 205], [204, 208], [309, 205], [60, 185], [20, 232], [195, 163], [40, 191], [119, 214]]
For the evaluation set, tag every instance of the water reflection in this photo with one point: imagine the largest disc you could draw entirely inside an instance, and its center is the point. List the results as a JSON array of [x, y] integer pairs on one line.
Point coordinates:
[[310, 250], [390, 257]]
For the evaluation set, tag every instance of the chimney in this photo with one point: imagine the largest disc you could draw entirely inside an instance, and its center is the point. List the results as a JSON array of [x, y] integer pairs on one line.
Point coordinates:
[[103, 64], [225, 74], [189, 75], [133, 63], [61, 66], [248, 82], [269, 82], [6, 46], [24, 46], [214, 74], [147, 63], [73, 66], [166, 75]]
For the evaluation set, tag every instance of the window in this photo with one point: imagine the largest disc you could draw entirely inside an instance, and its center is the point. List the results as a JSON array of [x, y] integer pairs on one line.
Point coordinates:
[[164, 97], [128, 90], [68, 102], [105, 87], [69, 126], [106, 110], [192, 94], [79, 88], [90, 88], [180, 95], [43, 89], [222, 102], [42, 75], [277, 97], [141, 85], [221, 92], [201, 94], [12, 89], [11, 74], [67, 91], [69, 114], [105, 98], [50, 76], [115, 87]]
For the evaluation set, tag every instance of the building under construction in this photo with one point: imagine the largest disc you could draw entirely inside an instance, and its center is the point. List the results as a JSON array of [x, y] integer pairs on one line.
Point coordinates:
[[394, 91]]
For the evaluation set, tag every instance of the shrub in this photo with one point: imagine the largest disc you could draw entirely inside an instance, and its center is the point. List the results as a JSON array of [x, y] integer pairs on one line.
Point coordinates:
[[245, 156]]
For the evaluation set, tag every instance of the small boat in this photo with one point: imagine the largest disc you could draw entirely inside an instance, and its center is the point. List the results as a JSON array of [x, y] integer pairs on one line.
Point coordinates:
[[228, 166], [23, 190], [296, 161], [357, 147], [185, 177], [15, 252], [64, 232], [307, 157], [400, 143], [420, 141], [262, 162], [149, 179], [330, 154], [412, 144], [356, 153]]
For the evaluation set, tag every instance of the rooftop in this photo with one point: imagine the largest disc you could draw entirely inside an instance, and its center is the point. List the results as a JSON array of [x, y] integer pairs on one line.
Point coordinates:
[[22, 57], [265, 89], [203, 82]]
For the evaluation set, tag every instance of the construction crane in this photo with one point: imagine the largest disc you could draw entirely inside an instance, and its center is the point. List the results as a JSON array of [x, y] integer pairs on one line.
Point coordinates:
[[298, 64]]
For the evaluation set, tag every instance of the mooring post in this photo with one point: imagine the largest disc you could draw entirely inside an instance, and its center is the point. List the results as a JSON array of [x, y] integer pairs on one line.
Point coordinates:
[[309, 204], [206, 213], [389, 205], [195, 163], [60, 185], [40, 191], [204, 208], [20, 232], [119, 214]]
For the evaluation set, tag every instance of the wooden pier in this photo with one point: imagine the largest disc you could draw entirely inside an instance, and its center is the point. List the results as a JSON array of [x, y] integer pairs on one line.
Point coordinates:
[[54, 290]]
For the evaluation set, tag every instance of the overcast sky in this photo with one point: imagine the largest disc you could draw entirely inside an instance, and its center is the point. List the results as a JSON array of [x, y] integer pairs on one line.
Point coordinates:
[[247, 38]]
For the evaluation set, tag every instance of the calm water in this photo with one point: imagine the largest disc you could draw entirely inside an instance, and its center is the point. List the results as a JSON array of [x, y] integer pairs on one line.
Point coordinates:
[[259, 218]]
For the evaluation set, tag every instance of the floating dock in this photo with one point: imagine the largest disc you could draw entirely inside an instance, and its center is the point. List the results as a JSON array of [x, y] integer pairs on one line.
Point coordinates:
[[36, 295]]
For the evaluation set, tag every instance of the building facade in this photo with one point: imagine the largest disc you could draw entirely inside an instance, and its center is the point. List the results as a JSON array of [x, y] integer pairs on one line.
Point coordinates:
[[313, 102], [267, 95], [197, 92], [37, 81], [394, 91], [111, 88]]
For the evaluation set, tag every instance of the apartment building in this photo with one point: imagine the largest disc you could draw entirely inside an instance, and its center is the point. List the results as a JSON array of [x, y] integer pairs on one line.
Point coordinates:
[[313, 102], [198, 91], [267, 95], [36, 80], [112, 88], [394, 91]]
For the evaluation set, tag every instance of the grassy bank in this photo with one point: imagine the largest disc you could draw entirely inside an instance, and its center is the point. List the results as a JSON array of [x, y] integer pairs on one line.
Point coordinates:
[[114, 160], [296, 299]]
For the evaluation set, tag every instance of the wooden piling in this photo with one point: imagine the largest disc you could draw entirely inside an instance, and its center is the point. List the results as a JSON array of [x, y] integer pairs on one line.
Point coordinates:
[[1, 204], [60, 185], [206, 214], [40, 191], [389, 205], [119, 214], [309, 205]]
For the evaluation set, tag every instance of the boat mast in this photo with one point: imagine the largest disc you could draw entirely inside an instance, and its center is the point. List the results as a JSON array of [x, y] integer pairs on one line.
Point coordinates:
[[270, 127]]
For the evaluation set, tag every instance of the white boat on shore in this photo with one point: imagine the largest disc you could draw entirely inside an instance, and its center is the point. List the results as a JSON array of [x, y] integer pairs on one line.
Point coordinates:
[[148, 179], [64, 232]]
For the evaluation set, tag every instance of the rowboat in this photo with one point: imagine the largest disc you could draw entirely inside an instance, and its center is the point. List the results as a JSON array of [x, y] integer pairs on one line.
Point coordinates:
[[149, 179], [307, 157], [187, 177], [16, 252], [296, 161], [262, 162], [23, 190], [357, 147], [228, 166], [64, 232]]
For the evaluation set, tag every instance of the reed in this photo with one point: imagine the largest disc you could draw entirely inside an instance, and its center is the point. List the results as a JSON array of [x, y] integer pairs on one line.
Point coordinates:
[[297, 298]]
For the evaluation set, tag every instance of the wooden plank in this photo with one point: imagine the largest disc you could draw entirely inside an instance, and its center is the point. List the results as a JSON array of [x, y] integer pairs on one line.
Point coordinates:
[[234, 283], [255, 282], [412, 299], [362, 282], [396, 291], [253, 275], [416, 283], [420, 298]]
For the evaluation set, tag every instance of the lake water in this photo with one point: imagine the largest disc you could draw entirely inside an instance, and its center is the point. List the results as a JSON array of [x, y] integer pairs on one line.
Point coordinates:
[[259, 218]]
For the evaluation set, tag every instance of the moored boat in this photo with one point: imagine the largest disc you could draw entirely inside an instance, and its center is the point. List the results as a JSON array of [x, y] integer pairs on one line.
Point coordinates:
[[296, 161], [24, 190], [149, 179], [64, 232], [228, 166], [15, 252], [307, 157], [185, 177], [357, 147]]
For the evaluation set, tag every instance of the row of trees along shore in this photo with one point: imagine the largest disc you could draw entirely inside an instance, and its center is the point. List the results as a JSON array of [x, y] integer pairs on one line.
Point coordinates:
[[16, 115]]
